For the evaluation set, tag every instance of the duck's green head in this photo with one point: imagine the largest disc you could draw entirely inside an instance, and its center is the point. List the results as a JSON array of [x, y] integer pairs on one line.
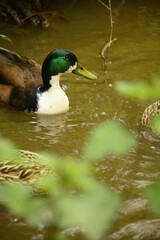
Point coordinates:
[[61, 61]]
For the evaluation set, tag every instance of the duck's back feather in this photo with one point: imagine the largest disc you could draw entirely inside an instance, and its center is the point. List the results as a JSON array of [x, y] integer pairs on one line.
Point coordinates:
[[17, 70], [19, 79]]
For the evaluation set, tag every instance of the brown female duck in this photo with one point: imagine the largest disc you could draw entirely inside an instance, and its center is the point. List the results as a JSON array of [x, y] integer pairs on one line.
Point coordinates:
[[24, 173], [150, 112]]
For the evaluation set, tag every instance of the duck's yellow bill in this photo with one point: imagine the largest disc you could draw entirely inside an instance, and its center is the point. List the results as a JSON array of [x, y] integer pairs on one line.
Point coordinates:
[[80, 70]]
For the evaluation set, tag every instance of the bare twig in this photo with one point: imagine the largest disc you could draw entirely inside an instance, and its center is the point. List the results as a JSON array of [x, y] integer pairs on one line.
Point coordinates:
[[105, 50], [103, 4], [38, 13]]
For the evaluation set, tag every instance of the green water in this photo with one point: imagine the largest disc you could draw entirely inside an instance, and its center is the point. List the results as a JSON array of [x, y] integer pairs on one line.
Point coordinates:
[[134, 56]]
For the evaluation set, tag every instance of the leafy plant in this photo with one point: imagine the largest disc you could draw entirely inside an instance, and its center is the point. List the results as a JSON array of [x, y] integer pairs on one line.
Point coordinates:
[[71, 197]]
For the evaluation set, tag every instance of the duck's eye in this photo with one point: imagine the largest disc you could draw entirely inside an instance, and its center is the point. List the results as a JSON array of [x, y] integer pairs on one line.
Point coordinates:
[[66, 57]]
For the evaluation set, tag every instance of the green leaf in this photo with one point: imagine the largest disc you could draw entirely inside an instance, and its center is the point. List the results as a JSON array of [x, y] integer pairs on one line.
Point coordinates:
[[153, 194], [108, 138], [4, 37], [47, 183], [139, 91], [93, 211], [51, 161], [136, 90], [155, 125], [71, 173], [59, 236], [15, 197], [18, 199], [8, 151], [75, 174]]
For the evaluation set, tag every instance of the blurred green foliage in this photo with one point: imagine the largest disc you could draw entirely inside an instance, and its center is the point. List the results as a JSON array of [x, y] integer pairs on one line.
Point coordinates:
[[103, 141], [5, 38], [140, 91], [155, 124], [152, 192], [72, 197]]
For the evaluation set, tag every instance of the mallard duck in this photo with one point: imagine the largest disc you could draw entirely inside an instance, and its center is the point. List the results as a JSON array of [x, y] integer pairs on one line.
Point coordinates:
[[24, 173], [150, 112], [26, 86]]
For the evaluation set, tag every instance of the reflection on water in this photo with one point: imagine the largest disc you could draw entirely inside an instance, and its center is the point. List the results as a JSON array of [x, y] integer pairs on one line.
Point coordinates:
[[141, 229], [134, 56], [53, 126], [148, 229]]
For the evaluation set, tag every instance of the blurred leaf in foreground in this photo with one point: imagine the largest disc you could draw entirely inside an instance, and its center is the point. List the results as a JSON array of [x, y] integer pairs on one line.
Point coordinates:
[[93, 212], [19, 200], [15, 197], [8, 151], [108, 138], [70, 173], [155, 125], [4, 37], [52, 161], [72, 197], [153, 194], [59, 237], [139, 91]]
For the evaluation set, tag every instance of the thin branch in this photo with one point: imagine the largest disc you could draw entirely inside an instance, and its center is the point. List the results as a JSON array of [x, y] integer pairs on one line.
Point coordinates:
[[38, 13], [105, 50], [104, 4]]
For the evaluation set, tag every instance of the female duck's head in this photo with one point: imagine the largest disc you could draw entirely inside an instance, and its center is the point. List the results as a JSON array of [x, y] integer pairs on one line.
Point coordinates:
[[61, 61]]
